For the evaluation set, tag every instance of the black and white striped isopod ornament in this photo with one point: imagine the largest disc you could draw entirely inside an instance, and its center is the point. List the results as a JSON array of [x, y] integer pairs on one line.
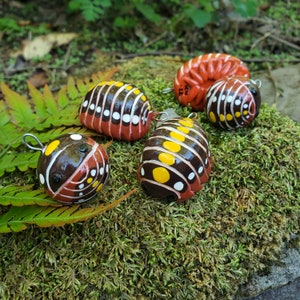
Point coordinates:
[[233, 102], [118, 110], [72, 168], [176, 160]]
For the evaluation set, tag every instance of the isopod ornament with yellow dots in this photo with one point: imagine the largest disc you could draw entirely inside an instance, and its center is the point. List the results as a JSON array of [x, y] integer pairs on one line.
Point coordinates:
[[176, 160], [72, 168], [233, 102], [117, 109]]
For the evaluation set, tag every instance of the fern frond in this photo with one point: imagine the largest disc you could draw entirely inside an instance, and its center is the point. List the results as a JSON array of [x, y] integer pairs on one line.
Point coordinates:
[[21, 196], [11, 161], [9, 135], [18, 218], [20, 109], [4, 116], [50, 101], [37, 99]]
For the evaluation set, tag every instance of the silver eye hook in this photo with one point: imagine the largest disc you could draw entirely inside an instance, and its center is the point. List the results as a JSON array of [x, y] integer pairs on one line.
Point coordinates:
[[192, 115], [258, 83], [24, 138]]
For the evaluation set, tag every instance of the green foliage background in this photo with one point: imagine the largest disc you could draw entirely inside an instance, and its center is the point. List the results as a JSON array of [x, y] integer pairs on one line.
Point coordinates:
[[199, 12], [147, 249]]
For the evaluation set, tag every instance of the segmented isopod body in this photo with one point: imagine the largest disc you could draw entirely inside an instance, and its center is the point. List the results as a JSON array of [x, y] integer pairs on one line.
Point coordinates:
[[233, 102], [195, 76], [176, 160], [72, 168], [118, 110]]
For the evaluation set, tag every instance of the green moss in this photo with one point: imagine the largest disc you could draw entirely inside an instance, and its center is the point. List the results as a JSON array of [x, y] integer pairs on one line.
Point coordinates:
[[149, 249]]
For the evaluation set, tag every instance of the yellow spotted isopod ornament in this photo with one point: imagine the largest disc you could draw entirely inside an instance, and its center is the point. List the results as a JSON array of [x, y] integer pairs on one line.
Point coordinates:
[[176, 160], [72, 168]]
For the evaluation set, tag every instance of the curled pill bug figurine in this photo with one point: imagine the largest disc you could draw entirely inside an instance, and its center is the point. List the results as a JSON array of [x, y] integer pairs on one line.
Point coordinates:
[[233, 102], [72, 168], [176, 160], [118, 110], [196, 75]]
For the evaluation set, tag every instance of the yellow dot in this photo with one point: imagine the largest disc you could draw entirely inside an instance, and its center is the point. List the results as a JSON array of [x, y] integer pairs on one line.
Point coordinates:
[[177, 136], [245, 112], [110, 82], [51, 147], [183, 129], [89, 180], [186, 122], [166, 158], [171, 146], [222, 118], [95, 184], [237, 114], [136, 92], [229, 117], [212, 117], [161, 174], [144, 98], [102, 83], [128, 87], [118, 84], [99, 187]]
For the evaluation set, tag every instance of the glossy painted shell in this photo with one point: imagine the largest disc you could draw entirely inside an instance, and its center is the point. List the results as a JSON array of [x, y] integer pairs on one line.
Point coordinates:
[[118, 110], [73, 168], [176, 160], [233, 102], [195, 76]]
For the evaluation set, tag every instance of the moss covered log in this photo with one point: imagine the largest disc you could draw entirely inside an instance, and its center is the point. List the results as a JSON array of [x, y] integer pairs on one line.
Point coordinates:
[[148, 249]]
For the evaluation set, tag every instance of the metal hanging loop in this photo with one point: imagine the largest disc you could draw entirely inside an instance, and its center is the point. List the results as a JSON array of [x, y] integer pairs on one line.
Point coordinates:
[[258, 83], [192, 115], [29, 135]]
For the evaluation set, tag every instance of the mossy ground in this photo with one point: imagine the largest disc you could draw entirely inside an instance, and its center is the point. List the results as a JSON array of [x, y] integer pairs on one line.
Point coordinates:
[[148, 249]]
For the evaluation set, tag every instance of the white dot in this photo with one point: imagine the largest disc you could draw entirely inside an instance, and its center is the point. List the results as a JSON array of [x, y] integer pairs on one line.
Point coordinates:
[[237, 102], [229, 99], [206, 161], [200, 170], [76, 137], [107, 168], [246, 105], [92, 106], [126, 118], [80, 194], [93, 172], [116, 115], [135, 119], [215, 99], [223, 97], [191, 176], [85, 103], [106, 113], [142, 172], [101, 171], [81, 186], [178, 186], [42, 178], [98, 110]]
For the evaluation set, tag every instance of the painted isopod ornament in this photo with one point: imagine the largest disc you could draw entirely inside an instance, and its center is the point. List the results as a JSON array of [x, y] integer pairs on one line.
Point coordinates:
[[118, 110], [233, 102], [72, 168], [176, 160], [196, 75]]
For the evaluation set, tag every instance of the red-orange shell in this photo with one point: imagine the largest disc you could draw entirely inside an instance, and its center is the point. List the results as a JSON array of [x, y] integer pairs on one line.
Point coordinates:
[[195, 76]]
